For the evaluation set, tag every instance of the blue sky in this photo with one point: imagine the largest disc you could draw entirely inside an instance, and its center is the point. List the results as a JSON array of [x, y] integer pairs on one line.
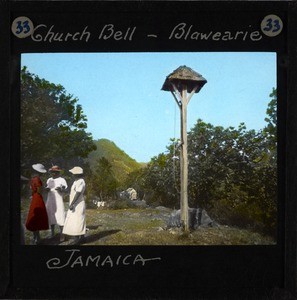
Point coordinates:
[[122, 98]]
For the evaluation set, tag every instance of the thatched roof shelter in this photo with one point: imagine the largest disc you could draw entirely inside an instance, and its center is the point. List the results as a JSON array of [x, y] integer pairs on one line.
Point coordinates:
[[184, 76]]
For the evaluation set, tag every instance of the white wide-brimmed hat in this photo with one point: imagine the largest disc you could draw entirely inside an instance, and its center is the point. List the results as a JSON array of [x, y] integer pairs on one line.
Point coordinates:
[[76, 170], [39, 168]]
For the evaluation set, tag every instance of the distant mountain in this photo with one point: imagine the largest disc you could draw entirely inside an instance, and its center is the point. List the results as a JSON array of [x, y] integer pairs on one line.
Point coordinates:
[[122, 163]]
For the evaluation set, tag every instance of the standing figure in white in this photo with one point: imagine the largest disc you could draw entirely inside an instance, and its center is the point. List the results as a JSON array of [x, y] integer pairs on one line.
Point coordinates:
[[75, 223], [56, 187]]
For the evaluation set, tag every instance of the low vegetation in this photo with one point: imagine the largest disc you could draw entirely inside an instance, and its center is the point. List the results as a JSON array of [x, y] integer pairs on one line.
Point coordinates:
[[147, 226]]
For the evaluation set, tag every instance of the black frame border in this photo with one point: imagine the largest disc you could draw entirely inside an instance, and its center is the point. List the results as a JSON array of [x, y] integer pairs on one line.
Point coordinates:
[[289, 288]]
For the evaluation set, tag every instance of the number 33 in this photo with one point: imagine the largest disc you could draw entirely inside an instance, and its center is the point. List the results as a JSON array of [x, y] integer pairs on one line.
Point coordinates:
[[272, 25], [23, 27]]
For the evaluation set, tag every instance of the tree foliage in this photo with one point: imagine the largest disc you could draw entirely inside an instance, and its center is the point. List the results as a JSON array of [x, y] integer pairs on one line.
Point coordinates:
[[53, 125], [102, 180], [232, 173]]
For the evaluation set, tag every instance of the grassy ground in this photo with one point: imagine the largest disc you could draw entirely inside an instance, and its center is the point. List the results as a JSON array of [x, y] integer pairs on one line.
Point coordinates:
[[147, 226]]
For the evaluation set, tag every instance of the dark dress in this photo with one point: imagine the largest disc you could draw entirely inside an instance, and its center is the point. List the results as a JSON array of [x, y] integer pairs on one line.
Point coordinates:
[[37, 216]]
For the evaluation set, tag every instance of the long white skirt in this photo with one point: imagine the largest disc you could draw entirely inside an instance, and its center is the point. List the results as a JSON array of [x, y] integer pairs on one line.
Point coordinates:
[[75, 223], [55, 208]]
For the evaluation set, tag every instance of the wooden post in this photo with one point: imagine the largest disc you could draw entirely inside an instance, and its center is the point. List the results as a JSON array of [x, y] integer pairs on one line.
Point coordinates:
[[184, 162], [182, 103], [181, 82]]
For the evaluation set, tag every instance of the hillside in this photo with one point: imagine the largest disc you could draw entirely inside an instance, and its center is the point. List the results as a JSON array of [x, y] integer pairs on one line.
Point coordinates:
[[121, 162]]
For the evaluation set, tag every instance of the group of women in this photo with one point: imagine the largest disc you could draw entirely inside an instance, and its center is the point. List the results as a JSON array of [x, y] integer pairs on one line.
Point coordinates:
[[43, 216]]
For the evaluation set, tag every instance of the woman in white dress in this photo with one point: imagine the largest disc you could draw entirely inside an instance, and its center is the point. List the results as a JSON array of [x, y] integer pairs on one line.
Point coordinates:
[[75, 223], [56, 186]]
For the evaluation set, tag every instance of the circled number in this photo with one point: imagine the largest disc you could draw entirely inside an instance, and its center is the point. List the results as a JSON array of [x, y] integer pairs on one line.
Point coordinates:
[[272, 25], [22, 27]]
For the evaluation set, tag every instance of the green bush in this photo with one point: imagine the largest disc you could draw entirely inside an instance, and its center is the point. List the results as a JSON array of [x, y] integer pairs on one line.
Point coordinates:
[[243, 215]]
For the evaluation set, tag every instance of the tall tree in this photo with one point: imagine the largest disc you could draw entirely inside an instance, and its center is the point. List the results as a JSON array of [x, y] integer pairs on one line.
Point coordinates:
[[270, 130], [103, 181], [52, 124]]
